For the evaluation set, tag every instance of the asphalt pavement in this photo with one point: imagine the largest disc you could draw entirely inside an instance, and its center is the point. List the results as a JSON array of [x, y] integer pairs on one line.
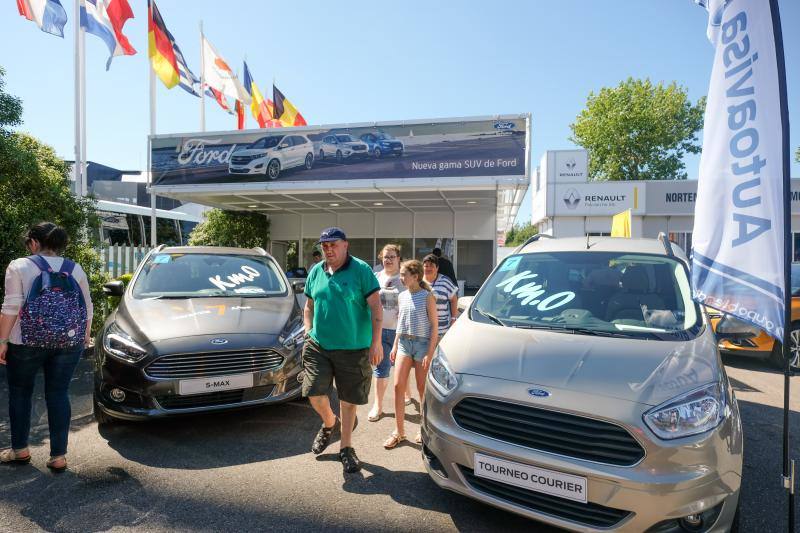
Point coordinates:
[[251, 470]]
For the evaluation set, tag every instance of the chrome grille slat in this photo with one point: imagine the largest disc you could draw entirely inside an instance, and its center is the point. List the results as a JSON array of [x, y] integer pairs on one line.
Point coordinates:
[[549, 431], [213, 364]]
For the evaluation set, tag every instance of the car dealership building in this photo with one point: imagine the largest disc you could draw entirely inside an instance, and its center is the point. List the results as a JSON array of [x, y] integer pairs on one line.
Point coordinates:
[[451, 183], [566, 204]]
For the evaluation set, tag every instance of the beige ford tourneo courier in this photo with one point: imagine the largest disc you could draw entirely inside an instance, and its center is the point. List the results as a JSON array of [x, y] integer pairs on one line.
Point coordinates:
[[583, 388]]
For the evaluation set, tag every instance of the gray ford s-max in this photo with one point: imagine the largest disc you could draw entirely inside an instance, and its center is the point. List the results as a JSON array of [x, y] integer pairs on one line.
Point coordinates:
[[583, 388]]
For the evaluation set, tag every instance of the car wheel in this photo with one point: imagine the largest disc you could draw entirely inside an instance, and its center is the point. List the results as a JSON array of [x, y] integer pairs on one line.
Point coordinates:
[[377, 153], [274, 169], [309, 161], [321, 154], [338, 156], [100, 416], [794, 349]]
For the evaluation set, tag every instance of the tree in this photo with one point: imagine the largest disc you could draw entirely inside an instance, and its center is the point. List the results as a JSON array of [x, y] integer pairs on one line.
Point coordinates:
[[231, 228], [520, 233], [797, 155], [35, 186], [639, 131]]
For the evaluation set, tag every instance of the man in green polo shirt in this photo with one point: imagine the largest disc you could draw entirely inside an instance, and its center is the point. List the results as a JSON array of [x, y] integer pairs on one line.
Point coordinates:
[[342, 317]]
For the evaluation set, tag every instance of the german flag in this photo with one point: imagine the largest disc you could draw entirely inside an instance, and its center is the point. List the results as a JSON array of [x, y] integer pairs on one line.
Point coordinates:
[[285, 111], [160, 47]]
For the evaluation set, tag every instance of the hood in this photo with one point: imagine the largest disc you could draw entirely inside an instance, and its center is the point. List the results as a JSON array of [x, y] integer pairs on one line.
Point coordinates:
[[251, 152], [157, 320], [351, 144], [643, 371]]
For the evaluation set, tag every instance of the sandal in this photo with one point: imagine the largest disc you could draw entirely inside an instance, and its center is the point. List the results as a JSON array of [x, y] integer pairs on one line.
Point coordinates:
[[374, 416], [394, 439], [323, 438], [418, 437], [9, 456], [53, 463]]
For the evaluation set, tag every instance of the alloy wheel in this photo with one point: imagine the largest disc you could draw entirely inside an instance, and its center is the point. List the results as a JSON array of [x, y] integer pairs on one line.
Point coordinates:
[[274, 169]]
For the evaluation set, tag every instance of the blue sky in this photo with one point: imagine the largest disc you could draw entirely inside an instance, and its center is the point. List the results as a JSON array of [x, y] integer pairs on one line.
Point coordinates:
[[363, 61]]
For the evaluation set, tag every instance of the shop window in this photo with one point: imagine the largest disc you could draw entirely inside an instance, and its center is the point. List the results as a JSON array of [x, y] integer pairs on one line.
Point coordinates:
[[474, 263], [404, 244], [363, 249], [426, 246], [682, 239], [795, 246]]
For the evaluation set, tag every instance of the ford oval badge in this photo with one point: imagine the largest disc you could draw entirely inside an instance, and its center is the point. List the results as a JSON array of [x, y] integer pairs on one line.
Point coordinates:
[[219, 340], [504, 125], [539, 393]]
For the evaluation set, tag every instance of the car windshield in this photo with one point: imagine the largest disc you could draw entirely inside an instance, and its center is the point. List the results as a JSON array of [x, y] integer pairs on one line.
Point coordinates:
[[344, 138], [592, 293], [176, 275], [384, 137], [795, 279], [266, 142]]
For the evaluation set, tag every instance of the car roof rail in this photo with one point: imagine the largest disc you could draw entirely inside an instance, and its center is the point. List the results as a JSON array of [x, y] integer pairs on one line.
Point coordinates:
[[159, 247], [260, 250], [533, 238], [665, 241]]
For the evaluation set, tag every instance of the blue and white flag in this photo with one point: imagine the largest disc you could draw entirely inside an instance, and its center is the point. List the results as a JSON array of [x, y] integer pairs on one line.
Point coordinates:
[[105, 18], [738, 240], [49, 15]]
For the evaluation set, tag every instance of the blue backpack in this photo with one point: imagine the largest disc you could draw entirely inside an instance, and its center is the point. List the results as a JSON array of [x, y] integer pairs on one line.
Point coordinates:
[[54, 313]]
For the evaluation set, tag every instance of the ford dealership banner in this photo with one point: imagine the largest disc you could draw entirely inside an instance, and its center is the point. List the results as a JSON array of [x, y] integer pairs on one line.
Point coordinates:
[[738, 253], [412, 149]]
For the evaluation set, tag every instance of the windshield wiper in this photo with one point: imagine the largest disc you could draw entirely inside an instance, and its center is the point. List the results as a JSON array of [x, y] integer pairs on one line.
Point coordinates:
[[491, 317], [573, 330]]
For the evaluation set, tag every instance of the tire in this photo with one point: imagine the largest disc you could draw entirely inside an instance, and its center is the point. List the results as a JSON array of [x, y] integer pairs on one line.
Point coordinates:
[[338, 156], [321, 154], [377, 153], [100, 416], [777, 354], [273, 169], [309, 161]]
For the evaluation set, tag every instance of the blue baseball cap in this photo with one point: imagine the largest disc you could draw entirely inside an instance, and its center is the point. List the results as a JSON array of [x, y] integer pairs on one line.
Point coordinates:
[[332, 234]]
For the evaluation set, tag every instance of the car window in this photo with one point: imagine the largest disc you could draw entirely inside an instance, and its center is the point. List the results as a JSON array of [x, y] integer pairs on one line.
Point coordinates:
[[635, 295], [368, 138], [329, 139], [795, 279], [287, 141], [298, 140], [266, 142], [344, 138], [208, 275]]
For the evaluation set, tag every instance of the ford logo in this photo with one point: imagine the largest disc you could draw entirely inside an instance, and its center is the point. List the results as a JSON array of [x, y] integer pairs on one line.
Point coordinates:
[[219, 340], [539, 393], [504, 125]]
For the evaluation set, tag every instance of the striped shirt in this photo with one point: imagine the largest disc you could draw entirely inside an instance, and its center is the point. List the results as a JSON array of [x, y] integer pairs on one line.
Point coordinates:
[[443, 290], [413, 315]]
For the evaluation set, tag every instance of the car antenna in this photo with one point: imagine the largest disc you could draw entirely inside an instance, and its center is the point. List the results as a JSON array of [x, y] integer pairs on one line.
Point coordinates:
[[587, 241]]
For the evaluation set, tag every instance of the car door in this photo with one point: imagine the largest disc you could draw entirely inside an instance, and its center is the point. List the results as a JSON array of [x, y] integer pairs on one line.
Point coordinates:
[[300, 149], [330, 145], [285, 152]]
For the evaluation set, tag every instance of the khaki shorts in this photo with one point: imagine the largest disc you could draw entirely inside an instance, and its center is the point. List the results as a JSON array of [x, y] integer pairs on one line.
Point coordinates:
[[350, 369]]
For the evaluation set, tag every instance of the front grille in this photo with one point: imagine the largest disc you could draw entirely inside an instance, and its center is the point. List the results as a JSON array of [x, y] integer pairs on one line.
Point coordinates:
[[590, 514], [210, 364], [211, 399], [243, 159], [549, 431], [359, 148]]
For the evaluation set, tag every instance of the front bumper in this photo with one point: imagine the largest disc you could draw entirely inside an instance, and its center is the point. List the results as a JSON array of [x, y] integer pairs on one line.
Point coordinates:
[[257, 166], [672, 481]]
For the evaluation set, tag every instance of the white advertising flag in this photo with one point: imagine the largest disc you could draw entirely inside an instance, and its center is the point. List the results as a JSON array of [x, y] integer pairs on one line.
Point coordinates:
[[738, 242], [220, 76]]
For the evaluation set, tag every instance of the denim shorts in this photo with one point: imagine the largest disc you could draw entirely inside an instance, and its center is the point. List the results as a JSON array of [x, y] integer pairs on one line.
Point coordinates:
[[413, 347], [384, 368]]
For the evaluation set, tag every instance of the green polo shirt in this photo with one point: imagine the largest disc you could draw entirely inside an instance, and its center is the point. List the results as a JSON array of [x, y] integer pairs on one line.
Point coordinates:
[[342, 318]]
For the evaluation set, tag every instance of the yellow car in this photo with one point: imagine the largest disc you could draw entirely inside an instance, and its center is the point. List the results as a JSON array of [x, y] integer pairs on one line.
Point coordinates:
[[754, 342]]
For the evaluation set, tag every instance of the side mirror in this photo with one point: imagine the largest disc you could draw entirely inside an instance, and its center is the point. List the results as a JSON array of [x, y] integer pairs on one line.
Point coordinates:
[[298, 285], [114, 288], [735, 335], [464, 302], [283, 145]]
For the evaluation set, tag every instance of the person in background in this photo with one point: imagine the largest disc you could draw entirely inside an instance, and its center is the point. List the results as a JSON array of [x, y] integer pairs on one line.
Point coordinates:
[[316, 257], [414, 343], [391, 287], [444, 290], [45, 322], [445, 266]]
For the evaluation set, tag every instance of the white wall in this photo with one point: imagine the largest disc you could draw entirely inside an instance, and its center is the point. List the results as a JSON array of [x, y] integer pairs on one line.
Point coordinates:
[[475, 225]]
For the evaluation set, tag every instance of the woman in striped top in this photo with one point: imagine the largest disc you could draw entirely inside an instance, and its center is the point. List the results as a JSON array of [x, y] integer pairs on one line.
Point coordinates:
[[414, 342]]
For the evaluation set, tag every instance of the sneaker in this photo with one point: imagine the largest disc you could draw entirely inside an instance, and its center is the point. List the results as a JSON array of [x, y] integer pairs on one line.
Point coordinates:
[[323, 438], [349, 460]]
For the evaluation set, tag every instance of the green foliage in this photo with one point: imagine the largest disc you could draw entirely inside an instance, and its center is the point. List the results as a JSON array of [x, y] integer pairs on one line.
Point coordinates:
[[797, 155], [639, 131], [520, 233], [34, 187], [113, 301], [231, 228]]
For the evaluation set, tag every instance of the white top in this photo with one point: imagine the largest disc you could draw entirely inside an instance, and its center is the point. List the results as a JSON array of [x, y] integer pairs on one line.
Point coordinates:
[[413, 316], [20, 275], [391, 287]]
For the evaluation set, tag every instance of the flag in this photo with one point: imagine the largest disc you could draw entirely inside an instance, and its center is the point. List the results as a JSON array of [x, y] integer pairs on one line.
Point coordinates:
[[738, 252], [285, 111], [261, 109], [220, 98], [239, 115], [219, 75], [105, 18], [621, 224], [49, 15], [165, 55]]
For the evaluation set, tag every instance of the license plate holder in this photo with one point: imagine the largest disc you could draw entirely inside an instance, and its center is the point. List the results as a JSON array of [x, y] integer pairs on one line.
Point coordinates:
[[529, 477]]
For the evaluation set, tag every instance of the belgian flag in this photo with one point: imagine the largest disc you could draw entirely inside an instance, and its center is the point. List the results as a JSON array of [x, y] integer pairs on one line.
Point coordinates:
[[285, 111]]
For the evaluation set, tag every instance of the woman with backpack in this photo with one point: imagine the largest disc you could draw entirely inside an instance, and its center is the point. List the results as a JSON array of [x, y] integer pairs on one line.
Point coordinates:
[[45, 322]]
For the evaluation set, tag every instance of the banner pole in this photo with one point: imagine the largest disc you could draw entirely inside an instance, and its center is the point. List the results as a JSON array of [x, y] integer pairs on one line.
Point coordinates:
[[77, 167], [202, 81]]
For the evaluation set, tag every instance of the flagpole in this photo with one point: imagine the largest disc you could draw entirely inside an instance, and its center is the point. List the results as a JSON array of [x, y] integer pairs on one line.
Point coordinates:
[[202, 81], [77, 167], [153, 217], [82, 57]]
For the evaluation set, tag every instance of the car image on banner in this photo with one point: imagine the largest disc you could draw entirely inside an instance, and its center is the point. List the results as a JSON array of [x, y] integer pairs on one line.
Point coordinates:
[[464, 148]]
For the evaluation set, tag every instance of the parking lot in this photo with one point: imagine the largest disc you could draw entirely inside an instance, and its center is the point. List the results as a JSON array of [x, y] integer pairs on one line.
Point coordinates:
[[251, 470]]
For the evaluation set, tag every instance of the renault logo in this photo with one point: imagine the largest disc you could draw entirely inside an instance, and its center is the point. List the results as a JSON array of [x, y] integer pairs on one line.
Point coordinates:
[[572, 197], [219, 340]]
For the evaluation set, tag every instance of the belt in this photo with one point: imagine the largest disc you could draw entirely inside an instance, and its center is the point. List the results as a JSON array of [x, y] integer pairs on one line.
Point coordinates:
[[412, 337]]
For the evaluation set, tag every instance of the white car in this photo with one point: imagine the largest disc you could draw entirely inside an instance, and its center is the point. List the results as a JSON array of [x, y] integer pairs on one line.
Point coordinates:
[[342, 146], [270, 155]]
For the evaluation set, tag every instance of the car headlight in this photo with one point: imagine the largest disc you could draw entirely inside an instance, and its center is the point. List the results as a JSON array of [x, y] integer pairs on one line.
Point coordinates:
[[730, 324], [120, 345], [441, 376], [695, 412], [294, 338]]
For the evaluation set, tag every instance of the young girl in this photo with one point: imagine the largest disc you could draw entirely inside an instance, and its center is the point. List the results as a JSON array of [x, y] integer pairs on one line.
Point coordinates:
[[414, 342]]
